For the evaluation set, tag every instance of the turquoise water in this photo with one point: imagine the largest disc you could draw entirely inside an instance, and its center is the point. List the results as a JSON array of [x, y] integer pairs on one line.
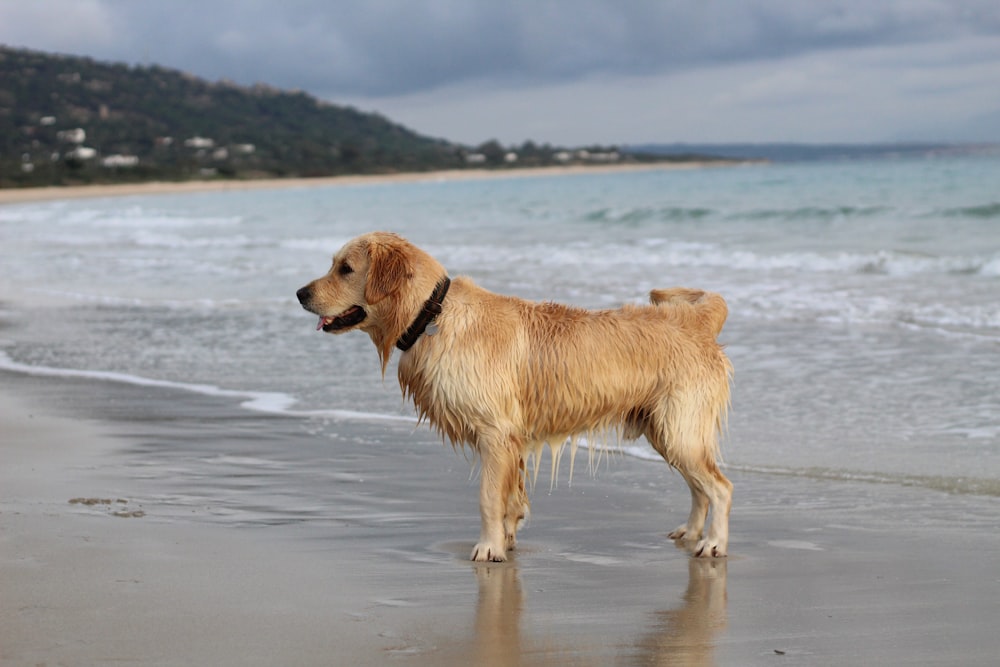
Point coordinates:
[[864, 296]]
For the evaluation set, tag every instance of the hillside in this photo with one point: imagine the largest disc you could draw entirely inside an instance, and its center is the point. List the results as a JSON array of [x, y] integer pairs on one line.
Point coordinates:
[[69, 119], [72, 120]]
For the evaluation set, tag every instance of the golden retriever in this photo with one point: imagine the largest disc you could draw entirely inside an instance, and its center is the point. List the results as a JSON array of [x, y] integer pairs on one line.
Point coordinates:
[[505, 376]]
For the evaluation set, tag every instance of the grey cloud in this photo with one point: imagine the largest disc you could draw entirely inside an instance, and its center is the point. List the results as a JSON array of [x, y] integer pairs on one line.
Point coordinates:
[[565, 70], [394, 47]]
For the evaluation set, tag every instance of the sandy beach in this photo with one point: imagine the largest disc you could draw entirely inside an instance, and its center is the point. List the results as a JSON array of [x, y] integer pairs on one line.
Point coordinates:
[[119, 544], [24, 195]]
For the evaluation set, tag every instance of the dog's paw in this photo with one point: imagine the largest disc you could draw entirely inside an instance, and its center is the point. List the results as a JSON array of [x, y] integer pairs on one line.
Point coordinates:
[[484, 552], [682, 533], [708, 549]]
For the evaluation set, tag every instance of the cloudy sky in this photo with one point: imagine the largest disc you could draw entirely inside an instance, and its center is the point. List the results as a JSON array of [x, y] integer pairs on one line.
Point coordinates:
[[576, 71]]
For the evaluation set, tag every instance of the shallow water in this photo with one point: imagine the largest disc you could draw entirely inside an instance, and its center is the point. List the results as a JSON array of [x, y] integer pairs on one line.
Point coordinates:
[[864, 296]]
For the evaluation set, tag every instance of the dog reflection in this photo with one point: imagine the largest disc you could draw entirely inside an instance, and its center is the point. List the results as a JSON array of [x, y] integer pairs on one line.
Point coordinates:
[[497, 639], [684, 635]]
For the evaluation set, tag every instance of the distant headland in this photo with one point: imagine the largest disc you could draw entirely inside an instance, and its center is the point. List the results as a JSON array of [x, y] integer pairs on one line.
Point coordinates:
[[73, 121]]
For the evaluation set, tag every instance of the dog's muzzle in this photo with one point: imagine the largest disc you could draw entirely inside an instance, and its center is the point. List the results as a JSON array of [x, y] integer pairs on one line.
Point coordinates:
[[349, 318]]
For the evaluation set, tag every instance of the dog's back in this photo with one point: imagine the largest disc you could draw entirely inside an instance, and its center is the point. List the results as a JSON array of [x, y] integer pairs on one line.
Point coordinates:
[[585, 370]]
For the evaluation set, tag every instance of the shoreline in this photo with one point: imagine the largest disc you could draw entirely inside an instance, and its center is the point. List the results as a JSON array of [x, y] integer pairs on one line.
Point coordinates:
[[370, 566], [62, 192]]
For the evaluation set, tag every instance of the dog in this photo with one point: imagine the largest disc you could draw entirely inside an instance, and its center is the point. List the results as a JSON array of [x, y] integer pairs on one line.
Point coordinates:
[[505, 376]]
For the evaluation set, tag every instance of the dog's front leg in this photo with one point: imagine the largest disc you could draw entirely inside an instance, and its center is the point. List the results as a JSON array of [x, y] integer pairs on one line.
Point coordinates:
[[517, 506], [499, 456]]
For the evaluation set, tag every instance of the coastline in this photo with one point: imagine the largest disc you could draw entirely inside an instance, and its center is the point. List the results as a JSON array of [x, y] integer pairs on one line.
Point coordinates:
[[372, 570], [49, 193]]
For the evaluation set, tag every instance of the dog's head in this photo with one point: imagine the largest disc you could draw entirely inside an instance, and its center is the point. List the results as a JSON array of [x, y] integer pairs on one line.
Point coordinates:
[[364, 272], [378, 284]]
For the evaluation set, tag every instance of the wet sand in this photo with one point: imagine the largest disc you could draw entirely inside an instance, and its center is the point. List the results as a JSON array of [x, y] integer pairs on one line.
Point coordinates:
[[350, 548]]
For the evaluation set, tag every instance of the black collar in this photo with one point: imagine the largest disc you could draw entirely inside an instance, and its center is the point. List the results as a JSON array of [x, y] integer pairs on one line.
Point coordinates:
[[431, 309]]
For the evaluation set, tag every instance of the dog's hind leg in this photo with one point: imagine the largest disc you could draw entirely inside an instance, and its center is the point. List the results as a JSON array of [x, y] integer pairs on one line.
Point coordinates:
[[499, 454], [693, 528], [709, 488], [700, 502], [720, 493], [690, 446]]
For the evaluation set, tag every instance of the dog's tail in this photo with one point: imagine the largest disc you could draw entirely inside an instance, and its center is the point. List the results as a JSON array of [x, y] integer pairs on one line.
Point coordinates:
[[708, 307]]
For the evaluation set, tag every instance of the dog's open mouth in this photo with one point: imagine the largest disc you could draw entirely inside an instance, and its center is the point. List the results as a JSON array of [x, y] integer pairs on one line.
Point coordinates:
[[348, 318]]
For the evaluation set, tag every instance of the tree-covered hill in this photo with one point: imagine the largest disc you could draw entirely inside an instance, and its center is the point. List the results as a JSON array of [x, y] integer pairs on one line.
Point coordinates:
[[70, 119]]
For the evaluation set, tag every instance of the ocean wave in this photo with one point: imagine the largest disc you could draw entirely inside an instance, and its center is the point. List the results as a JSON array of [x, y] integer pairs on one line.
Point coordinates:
[[983, 211], [644, 214], [636, 215], [815, 303], [143, 238], [667, 254], [991, 267], [193, 304], [137, 217], [159, 240], [327, 245], [882, 262], [277, 403], [21, 213], [272, 402], [353, 415], [972, 316], [78, 222], [820, 213]]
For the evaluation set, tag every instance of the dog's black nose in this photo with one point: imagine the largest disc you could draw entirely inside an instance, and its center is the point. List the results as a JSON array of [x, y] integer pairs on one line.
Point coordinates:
[[304, 294]]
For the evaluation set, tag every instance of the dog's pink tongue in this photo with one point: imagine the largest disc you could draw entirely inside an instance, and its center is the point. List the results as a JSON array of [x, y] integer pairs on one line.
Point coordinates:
[[319, 325]]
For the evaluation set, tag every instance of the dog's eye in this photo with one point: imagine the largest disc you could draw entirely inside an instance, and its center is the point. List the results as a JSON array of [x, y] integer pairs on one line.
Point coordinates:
[[345, 269]]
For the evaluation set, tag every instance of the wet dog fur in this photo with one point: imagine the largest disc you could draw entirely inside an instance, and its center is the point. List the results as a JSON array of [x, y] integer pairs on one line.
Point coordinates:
[[505, 376]]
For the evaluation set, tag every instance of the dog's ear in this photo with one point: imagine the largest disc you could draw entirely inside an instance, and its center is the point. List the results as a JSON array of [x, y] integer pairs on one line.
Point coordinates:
[[388, 269]]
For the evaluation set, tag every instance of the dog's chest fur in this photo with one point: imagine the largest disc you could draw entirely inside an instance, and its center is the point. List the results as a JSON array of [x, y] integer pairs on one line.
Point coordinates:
[[451, 388]]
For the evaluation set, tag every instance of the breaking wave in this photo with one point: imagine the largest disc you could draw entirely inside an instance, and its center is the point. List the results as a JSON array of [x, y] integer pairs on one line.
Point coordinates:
[[664, 254], [277, 403]]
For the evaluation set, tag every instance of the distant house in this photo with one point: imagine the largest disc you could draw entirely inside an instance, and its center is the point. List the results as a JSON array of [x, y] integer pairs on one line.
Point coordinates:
[[82, 153], [120, 161], [510, 158], [611, 156], [74, 136], [475, 158], [199, 142], [47, 120]]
